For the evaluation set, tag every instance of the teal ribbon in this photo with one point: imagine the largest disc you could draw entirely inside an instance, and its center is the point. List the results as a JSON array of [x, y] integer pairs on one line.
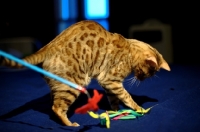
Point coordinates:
[[40, 70]]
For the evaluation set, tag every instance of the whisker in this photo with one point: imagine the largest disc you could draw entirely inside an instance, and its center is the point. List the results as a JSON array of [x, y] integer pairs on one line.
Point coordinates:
[[133, 81], [138, 83], [130, 82], [156, 76], [129, 78]]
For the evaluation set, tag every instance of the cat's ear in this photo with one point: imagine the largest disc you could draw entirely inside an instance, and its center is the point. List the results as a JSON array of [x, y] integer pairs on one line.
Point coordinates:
[[152, 61], [165, 66]]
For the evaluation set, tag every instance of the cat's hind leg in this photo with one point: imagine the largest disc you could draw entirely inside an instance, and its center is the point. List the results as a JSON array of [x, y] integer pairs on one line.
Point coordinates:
[[63, 97]]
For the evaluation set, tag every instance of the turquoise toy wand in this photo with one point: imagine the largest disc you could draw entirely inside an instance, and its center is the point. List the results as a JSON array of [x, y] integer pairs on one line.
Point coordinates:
[[49, 74], [92, 102]]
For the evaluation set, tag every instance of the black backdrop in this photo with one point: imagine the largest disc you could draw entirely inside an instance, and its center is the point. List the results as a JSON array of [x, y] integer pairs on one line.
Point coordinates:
[[37, 19]]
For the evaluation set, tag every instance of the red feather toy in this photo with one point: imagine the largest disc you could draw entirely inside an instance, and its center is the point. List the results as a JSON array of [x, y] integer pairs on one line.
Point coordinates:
[[91, 105]]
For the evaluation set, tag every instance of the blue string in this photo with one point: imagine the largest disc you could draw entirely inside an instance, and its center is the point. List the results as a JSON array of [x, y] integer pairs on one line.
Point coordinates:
[[33, 67]]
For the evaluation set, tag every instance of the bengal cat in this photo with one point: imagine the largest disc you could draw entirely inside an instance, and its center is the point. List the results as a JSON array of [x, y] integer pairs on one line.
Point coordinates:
[[86, 50]]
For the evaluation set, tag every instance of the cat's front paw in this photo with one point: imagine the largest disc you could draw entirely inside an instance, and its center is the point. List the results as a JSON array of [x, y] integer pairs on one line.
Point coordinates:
[[75, 124], [142, 110]]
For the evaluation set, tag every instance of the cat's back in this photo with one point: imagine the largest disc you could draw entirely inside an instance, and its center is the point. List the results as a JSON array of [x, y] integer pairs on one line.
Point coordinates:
[[79, 32], [86, 27]]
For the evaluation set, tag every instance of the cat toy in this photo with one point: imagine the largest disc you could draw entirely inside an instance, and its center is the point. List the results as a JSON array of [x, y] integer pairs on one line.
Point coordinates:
[[124, 114], [92, 102]]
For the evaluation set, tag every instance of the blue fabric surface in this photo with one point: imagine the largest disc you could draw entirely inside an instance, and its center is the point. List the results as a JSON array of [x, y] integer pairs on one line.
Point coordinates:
[[25, 103]]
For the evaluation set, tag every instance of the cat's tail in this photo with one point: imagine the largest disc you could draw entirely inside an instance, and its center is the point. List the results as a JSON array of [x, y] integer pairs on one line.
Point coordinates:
[[34, 59]]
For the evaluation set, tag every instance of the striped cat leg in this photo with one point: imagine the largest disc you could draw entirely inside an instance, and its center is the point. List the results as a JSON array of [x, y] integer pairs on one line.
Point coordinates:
[[63, 97], [117, 89]]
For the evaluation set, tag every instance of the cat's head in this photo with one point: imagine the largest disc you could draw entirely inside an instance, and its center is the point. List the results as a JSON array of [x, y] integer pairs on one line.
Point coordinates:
[[147, 60]]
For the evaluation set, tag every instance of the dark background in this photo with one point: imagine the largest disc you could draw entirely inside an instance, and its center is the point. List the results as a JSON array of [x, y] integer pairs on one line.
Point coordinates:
[[36, 18]]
